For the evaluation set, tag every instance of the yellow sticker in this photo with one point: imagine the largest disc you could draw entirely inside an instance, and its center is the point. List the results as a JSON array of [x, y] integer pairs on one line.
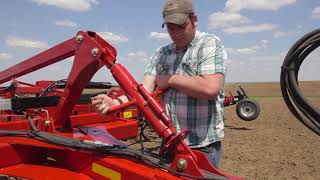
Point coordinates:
[[106, 172], [127, 114]]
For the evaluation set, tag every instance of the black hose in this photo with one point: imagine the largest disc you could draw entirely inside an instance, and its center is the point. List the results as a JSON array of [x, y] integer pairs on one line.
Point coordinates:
[[296, 102], [52, 85]]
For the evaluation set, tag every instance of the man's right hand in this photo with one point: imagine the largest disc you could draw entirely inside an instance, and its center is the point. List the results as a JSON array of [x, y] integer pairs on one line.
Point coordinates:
[[102, 103]]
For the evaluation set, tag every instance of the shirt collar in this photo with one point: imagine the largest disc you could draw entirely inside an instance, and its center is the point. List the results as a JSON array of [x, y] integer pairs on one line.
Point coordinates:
[[195, 38]]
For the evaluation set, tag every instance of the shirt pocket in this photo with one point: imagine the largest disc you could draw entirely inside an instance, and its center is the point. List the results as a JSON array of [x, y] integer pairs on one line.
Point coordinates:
[[162, 69]]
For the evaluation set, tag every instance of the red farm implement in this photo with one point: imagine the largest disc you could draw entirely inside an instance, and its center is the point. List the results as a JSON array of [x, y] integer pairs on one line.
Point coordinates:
[[246, 108], [50, 141], [39, 101]]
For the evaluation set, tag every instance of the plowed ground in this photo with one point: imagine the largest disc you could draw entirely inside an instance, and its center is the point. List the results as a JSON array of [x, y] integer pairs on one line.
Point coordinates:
[[275, 145]]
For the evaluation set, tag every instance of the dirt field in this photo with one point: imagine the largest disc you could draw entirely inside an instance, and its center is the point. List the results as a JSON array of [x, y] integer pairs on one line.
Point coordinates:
[[275, 145]]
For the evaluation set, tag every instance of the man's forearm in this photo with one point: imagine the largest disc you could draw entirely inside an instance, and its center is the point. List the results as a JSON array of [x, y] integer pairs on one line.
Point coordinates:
[[120, 100], [202, 87]]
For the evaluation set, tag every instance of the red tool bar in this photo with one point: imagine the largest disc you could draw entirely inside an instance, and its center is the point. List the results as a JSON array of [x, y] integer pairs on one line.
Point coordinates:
[[50, 56]]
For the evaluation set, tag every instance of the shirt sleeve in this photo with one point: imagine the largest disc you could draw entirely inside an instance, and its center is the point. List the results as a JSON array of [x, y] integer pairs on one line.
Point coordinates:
[[212, 56], [151, 68]]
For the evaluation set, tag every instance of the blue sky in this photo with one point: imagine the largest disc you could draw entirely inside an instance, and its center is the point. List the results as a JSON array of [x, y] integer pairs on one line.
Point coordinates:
[[256, 33]]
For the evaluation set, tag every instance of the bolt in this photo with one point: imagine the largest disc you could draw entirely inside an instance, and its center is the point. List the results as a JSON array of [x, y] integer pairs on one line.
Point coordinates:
[[47, 123], [181, 164], [94, 52], [79, 38]]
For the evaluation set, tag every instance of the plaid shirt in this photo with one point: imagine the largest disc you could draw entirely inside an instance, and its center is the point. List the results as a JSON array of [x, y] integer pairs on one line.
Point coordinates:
[[203, 118]]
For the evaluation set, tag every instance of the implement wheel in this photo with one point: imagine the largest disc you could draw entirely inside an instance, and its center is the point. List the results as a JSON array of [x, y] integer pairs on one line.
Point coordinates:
[[248, 109]]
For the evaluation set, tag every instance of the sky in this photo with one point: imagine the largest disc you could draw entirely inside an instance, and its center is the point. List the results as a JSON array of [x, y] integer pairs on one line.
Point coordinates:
[[256, 33]]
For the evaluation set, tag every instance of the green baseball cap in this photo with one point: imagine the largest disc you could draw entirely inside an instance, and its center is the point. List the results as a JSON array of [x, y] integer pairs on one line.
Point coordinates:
[[177, 11]]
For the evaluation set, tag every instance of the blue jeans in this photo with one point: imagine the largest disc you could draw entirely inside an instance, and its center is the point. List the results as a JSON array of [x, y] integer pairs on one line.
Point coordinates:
[[213, 152]]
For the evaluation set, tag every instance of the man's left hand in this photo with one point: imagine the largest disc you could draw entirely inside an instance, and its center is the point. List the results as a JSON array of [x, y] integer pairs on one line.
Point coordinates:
[[162, 81]]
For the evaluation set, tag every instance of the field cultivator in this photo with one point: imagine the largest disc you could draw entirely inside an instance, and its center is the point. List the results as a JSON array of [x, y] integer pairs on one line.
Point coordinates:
[[51, 141], [20, 100], [246, 108]]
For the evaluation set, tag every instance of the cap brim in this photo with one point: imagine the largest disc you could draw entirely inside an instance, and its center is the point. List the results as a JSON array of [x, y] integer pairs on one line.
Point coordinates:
[[176, 18]]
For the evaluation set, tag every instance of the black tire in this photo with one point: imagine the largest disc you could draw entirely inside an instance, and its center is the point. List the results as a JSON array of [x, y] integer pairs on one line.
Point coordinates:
[[248, 109]]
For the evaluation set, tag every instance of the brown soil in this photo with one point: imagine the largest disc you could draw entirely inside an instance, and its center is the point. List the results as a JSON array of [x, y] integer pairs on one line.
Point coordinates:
[[275, 145]]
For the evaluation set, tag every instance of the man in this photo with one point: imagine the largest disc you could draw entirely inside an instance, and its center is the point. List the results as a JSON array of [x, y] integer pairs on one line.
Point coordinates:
[[192, 69]]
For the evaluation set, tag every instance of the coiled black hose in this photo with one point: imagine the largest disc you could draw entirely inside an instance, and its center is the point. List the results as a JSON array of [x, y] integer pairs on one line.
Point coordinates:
[[296, 102]]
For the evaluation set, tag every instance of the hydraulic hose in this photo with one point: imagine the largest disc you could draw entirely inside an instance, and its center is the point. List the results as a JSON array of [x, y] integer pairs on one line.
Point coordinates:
[[305, 112]]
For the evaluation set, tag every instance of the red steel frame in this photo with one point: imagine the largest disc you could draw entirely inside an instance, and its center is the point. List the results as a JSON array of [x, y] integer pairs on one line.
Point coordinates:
[[34, 159]]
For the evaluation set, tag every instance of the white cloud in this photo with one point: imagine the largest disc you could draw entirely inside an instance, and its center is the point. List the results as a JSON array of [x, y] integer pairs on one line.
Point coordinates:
[[5, 56], [231, 51], [249, 29], [113, 38], [140, 55], [280, 34], [226, 19], [262, 44], [74, 5], [238, 5], [159, 36], [65, 23], [249, 50], [232, 22], [316, 13], [26, 43]]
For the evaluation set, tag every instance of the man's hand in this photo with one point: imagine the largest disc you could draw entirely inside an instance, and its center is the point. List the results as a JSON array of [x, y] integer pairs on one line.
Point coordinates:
[[162, 81], [103, 103]]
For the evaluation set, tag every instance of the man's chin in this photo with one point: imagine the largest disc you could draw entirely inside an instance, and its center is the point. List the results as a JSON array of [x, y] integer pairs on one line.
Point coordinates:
[[181, 46], [180, 43]]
